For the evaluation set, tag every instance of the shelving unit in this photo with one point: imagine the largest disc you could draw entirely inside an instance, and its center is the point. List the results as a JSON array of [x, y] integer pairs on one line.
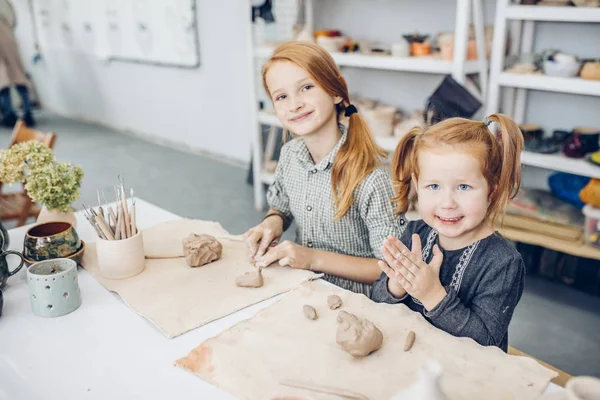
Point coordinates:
[[526, 16], [524, 29], [522, 19], [466, 11]]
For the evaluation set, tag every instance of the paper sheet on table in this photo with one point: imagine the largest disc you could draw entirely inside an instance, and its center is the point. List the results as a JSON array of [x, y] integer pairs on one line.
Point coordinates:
[[280, 343], [177, 298]]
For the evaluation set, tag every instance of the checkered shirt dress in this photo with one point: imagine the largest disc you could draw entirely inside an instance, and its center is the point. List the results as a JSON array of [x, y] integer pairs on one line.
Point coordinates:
[[302, 191]]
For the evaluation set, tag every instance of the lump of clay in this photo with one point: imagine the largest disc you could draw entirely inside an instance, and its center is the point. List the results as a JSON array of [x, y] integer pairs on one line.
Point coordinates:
[[250, 279], [310, 312], [359, 337], [201, 249], [334, 301], [410, 340]]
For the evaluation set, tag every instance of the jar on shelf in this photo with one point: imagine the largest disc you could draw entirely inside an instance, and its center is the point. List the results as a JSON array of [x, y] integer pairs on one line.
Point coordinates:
[[592, 225]]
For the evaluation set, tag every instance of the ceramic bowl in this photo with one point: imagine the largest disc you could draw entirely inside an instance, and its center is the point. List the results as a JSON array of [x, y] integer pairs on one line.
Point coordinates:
[[562, 69], [51, 240], [77, 256]]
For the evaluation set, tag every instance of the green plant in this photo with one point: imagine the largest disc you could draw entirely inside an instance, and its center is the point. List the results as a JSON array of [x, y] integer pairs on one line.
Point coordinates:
[[23, 159], [55, 185]]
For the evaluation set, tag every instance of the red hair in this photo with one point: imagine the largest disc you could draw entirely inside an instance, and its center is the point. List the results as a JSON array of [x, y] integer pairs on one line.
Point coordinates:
[[499, 157], [360, 154]]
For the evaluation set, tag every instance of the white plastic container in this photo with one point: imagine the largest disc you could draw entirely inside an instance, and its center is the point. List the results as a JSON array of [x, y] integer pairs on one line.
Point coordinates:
[[592, 225]]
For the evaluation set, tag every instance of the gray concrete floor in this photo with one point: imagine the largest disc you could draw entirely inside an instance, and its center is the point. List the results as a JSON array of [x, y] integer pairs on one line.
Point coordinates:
[[554, 323]]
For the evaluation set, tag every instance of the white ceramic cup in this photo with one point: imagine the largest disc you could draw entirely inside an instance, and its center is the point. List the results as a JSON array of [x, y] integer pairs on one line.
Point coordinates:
[[583, 388], [120, 259]]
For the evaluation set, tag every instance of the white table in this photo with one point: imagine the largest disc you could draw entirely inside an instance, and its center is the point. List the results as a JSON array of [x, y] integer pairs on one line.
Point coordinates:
[[103, 350]]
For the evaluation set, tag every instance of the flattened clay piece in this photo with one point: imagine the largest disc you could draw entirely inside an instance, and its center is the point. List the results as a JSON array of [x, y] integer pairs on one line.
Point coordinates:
[[334, 301], [250, 279], [410, 340], [358, 336], [201, 249], [310, 312]]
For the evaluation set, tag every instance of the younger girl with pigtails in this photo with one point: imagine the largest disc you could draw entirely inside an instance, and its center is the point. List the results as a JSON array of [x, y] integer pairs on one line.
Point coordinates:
[[329, 179], [451, 266]]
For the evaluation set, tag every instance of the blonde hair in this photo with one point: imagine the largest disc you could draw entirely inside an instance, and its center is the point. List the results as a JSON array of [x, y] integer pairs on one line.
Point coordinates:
[[360, 154], [499, 157]]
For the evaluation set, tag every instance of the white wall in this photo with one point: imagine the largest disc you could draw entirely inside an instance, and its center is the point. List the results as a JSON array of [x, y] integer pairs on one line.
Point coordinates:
[[206, 108]]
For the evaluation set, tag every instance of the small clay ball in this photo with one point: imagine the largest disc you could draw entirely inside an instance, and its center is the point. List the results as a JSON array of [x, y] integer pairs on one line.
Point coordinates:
[[310, 312]]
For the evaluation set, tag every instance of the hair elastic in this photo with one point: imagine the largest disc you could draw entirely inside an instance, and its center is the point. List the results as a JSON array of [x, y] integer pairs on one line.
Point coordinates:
[[350, 110], [487, 121]]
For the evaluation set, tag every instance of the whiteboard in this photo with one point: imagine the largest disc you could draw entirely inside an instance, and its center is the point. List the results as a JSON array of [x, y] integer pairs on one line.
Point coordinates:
[[162, 32]]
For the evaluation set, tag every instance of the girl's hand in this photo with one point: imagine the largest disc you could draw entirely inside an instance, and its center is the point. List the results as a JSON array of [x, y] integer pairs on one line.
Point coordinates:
[[415, 276], [389, 267], [259, 238], [290, 254]]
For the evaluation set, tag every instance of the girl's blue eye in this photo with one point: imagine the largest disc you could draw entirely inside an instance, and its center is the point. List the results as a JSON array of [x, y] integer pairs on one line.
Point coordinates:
[[464, 187], [280, 97], [434, 186], [306, 87]]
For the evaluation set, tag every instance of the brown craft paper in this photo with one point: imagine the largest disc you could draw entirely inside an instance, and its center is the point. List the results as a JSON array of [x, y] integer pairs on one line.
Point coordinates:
[[280, 344], [177, 298]]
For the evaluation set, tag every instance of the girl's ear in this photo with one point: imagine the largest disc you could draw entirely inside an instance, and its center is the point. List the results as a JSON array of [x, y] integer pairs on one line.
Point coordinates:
[[337, 99]]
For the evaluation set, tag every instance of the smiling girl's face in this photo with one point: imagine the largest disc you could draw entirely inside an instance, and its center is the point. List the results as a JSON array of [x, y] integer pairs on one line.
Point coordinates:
[[453, 195], [302, 106]]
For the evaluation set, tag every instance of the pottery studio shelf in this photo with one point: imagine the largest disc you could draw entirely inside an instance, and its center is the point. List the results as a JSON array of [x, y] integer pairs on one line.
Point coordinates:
[[554, 162], [550, 83], [564, 246], [559, 162], [426, 64], [560, 14]]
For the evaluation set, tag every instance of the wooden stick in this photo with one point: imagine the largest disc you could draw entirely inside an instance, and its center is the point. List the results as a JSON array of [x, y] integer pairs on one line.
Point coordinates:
[[105, 229], [112, 215], [118, 225], [122, 224], [105, 220], [96, 228], [133, 221], [163, 256], [325, 389], [125, 213]]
